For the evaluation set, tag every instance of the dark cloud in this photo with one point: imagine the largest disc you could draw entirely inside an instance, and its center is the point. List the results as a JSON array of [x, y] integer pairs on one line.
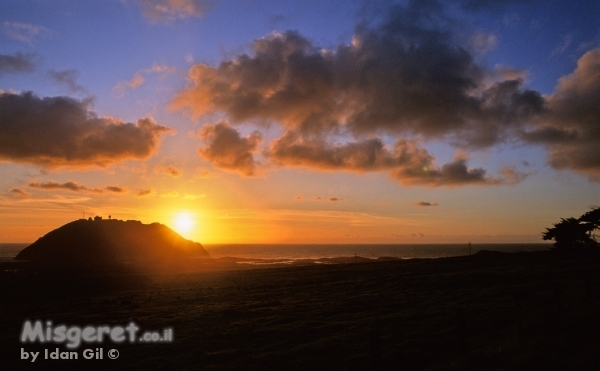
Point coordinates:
[[67, 78], [52, 185], [425, 203], [63, 132], [116, 189], [492, 6], [228, 150], [413, 73], [75, 187], [406, 75], [571, 128], [406, 163], [17, 63], [333, 199]]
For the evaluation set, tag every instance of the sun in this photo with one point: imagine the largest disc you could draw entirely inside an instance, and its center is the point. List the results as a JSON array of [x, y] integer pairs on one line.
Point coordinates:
[[184, 223]]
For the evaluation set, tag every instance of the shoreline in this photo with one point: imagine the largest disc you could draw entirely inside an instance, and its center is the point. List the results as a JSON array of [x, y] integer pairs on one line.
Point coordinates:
[[298, 253]]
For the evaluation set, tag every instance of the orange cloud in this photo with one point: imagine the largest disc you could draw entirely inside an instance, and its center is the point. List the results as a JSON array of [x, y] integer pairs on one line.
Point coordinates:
[[75, 187], [144, 192], [138, 79], [170, 170], [168, 10], [62, 132], [228, 150], [18, 192], [116, 189]]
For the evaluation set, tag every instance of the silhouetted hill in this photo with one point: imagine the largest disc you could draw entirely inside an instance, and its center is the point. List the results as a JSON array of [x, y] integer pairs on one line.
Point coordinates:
[[111, 240]]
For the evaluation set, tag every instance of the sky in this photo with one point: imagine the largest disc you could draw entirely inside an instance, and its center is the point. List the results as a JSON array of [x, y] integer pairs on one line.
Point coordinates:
[[301, 121]]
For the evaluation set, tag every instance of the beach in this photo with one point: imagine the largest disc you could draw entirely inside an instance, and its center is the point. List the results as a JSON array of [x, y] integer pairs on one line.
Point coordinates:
[[489, 311]]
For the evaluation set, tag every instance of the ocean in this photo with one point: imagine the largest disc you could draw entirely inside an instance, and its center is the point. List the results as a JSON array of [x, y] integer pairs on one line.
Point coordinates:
[[403, 251], [10, 250], [316, 251]]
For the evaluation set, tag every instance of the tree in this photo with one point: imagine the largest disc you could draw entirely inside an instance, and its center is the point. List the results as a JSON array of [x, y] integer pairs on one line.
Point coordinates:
[[592, 217], [575, 233]]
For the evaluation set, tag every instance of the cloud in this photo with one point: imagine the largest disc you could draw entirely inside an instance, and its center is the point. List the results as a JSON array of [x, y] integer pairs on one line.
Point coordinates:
[[228, 150], [406, 163], [166, 11], [511, 175], [425, 203], [67, 78], [136, 81], [24, 32], [170, 170], [138, 78], [189, 196], [116, 189], [18, 192], [18, 63], [563, 45], [570, 130], [318, 198], [403, 76], [52, 185], [144, 192], [413, 75], [203, 173], [60, 131], [172, 194], [75, 187], [492, 6], [160, 69]]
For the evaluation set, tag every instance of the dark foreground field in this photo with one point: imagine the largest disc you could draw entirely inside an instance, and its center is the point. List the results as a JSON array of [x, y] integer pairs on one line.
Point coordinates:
[[492, 311]]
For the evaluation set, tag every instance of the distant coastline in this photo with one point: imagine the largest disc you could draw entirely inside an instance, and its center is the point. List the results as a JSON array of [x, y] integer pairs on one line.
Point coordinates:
[[320, 251]]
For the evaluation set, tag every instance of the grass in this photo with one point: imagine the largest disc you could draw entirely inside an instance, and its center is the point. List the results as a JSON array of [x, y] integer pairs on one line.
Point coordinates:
[[524, 311]]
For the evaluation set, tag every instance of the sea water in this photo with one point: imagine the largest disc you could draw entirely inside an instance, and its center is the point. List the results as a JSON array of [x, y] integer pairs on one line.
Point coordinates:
[[316, 251], [403, 251], [9, 250]]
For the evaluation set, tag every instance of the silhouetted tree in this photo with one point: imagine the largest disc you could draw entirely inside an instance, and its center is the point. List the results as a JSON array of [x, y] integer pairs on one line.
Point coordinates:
[[575, 233], [592, 217]]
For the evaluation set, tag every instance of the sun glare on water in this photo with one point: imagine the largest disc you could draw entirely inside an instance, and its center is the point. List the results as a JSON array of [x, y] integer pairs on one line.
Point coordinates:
[[184, 224]]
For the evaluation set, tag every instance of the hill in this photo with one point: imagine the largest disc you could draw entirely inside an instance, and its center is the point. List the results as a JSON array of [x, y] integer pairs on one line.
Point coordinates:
[[111, 240]]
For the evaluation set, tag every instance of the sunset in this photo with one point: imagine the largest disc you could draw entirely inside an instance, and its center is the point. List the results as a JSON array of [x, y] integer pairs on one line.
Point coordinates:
[[324, 122], [157, 138]]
